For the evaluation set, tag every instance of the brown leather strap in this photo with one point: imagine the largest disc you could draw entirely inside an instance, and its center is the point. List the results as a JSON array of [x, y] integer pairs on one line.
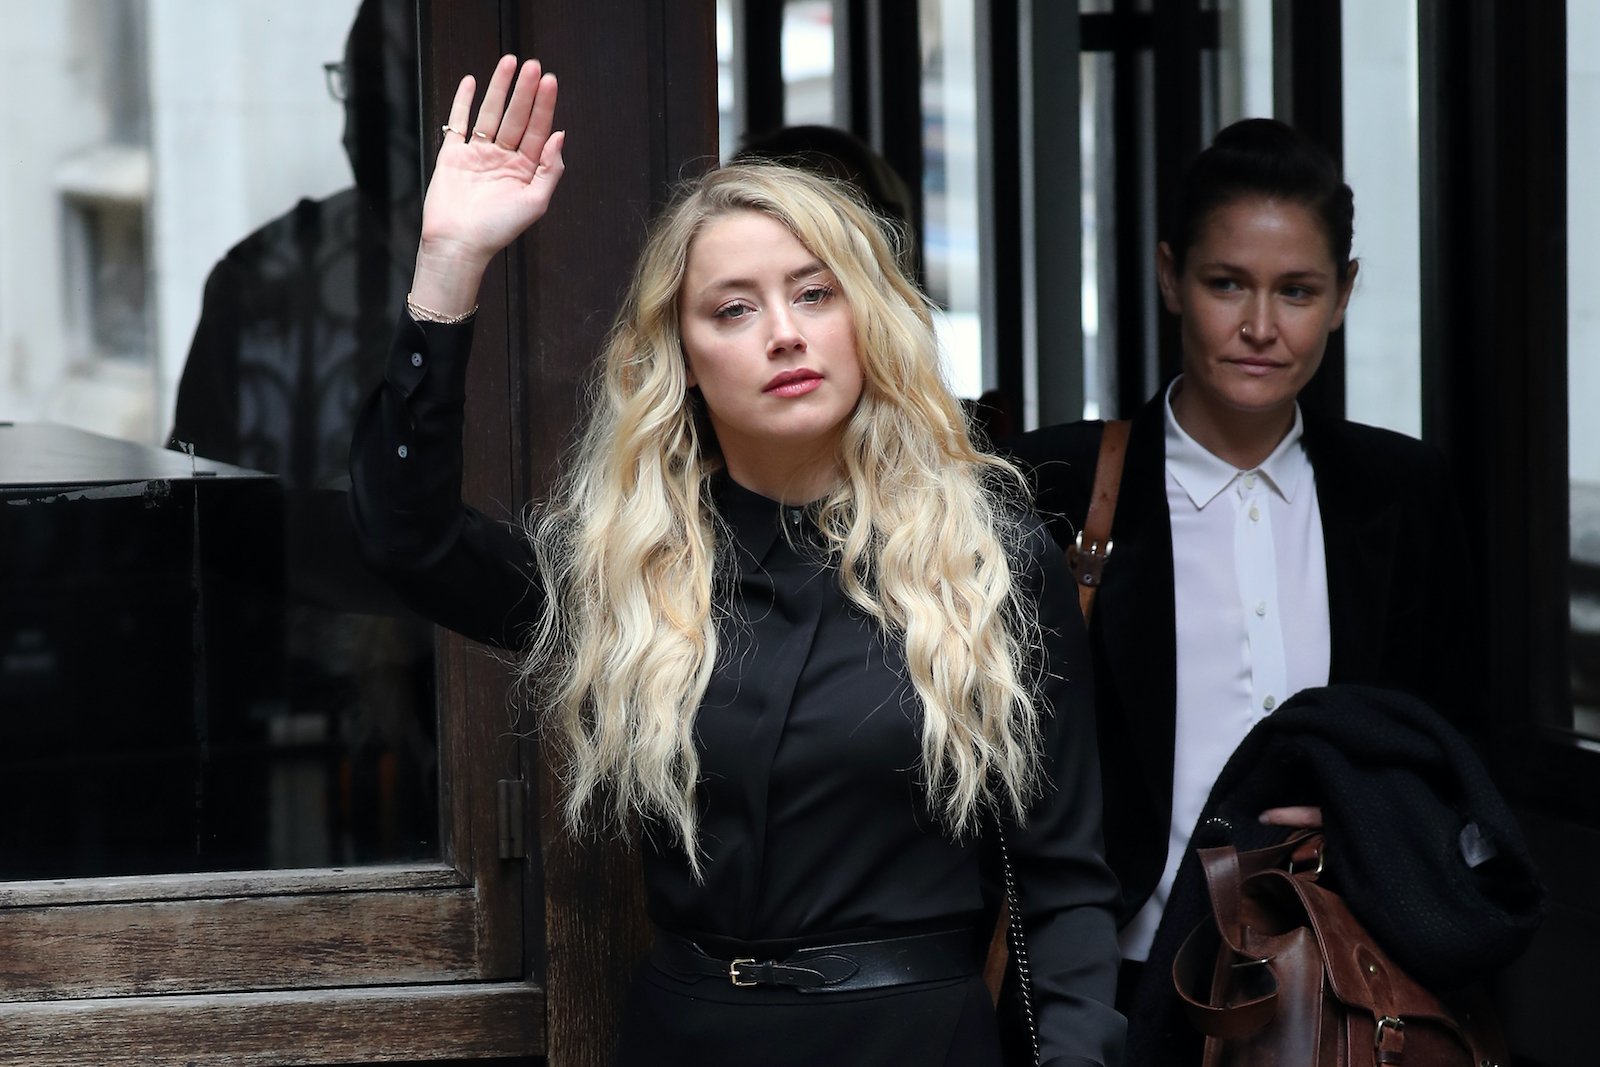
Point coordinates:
[[1087, 558], [1192, 969], [994, 962], [1226, 870]]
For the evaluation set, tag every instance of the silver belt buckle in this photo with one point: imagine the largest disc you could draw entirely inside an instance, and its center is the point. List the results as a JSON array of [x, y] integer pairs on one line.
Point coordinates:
[[733, 972]]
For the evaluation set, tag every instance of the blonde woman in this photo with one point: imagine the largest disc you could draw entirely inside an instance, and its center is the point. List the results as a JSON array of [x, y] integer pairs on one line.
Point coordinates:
[[780, 618]]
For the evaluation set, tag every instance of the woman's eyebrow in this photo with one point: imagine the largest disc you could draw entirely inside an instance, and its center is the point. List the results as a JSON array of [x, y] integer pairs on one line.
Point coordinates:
[[806, 271]]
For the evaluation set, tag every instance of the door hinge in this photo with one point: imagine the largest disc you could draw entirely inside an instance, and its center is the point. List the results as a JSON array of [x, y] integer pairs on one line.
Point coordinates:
[[511, 802]]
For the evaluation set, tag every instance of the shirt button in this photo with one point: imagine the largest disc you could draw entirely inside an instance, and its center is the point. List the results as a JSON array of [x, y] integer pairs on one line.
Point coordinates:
[[1261, 607], [1249, 481], [416, 359], [1255, 513], [794, 516], [1270, 703], [402, 452]]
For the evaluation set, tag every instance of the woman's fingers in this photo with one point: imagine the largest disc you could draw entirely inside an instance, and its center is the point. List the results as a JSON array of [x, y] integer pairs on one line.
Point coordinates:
[[460, 108], [514, 125], [541, 118], [548, 174], [494, 99]]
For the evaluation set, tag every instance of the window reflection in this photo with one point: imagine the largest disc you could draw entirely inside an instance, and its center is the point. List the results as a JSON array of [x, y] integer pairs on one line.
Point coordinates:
[[1383, 330], [1583, 363], [808, 63], [950, 186], [200, 673]]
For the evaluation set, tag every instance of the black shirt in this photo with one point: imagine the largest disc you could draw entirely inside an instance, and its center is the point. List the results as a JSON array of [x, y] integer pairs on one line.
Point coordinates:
[[813, 817]]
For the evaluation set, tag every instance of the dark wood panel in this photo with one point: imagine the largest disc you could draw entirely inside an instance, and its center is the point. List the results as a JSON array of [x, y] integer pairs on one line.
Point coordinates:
[[638, 99], [235, 944], [278, 1029], [477, 747], [122, 890]]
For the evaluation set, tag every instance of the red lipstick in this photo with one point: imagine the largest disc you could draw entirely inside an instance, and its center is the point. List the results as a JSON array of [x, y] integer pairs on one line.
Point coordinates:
[[793, 382]]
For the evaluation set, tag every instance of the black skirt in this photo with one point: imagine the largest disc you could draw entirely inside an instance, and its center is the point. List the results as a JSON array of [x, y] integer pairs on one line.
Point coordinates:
[[668, 1023]]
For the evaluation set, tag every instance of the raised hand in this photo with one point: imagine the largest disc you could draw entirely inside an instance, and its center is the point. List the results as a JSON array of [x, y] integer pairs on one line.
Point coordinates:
[[493, 179]]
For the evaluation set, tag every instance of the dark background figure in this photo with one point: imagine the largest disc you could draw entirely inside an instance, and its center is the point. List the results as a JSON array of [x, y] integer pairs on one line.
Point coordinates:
[[293, 330], [837, 154], [844, 157]]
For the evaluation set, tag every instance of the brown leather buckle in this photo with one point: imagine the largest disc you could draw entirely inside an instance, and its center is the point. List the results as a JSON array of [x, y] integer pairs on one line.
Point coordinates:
[[1087, 563]]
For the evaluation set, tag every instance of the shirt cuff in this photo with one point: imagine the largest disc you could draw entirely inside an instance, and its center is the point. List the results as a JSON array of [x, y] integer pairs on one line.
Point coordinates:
[[430, 356]]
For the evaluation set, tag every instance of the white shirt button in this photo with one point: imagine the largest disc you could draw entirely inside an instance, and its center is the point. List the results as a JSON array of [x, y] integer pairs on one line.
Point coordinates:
[[1255, 513], [1249, 481], [416, 359], [1270, 703], [402, 452], [1261, 607]]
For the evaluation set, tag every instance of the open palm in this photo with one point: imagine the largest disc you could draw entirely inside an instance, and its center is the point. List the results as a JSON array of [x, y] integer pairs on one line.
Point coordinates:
[[494, 178]]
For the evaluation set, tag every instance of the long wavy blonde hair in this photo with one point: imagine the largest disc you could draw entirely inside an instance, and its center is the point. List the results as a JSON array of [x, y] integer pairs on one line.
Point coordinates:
[[920, 526]]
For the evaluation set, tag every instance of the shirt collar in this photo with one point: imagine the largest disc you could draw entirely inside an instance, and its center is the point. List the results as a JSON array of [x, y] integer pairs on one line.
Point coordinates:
[[757, 522], [1285, 469], [1202, 475]]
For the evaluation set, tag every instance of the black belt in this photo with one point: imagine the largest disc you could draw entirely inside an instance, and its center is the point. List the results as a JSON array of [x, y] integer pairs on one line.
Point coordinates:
[[827, 968]]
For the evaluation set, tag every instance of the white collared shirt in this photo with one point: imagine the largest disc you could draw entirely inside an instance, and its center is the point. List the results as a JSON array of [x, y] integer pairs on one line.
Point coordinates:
[[1250, 594]]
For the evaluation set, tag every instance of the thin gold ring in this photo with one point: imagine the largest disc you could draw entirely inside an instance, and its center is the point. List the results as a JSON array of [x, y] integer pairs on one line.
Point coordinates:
[[480, 133], [447, 128]]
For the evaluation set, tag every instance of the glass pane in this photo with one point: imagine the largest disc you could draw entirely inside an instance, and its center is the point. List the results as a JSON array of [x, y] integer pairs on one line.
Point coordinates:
[[808, 63], [197, 671], [1583, 359], [1383, 328], [727, 84], [1244, 83], [1098, 160], [950, 186]]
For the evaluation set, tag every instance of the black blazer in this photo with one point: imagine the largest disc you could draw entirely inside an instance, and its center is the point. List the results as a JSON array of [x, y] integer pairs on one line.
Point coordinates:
[[1400, 598]]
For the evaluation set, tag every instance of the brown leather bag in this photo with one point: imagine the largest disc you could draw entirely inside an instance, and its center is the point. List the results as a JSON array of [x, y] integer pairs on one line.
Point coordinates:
[[1283, 975]]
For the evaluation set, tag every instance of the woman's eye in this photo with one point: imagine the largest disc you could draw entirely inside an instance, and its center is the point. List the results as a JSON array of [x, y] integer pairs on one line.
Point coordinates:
[[1297, 292], [1223, 285], [816, 294], [734, 311]]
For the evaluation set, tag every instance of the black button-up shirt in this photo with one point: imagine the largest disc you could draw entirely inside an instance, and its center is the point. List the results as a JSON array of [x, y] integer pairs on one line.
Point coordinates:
[[813, 817]]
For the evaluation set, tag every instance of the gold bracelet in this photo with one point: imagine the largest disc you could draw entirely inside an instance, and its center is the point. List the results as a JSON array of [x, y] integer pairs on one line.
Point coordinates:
[[422, 314]]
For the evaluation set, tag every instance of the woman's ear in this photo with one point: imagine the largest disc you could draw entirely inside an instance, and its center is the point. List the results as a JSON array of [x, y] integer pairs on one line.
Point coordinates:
[[1345, 289], [1167, 278], [688, 368]]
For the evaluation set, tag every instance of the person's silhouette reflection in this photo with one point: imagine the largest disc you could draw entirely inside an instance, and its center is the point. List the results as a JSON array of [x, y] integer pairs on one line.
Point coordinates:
[[294, 326]]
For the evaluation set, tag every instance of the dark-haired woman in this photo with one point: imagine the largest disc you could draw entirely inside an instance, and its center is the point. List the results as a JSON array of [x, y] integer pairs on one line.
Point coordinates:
[[1258, 549]]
